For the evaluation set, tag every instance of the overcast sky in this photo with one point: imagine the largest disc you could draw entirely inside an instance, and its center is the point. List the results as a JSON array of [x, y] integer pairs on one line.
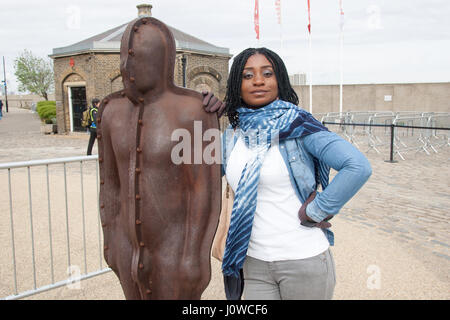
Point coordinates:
[[385, 41]]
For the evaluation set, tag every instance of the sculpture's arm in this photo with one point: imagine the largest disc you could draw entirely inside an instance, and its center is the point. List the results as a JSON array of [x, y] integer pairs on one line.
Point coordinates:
[[109, 198]]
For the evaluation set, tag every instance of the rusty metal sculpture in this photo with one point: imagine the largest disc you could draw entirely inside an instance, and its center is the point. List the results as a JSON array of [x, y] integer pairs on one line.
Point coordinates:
[[158, 217]]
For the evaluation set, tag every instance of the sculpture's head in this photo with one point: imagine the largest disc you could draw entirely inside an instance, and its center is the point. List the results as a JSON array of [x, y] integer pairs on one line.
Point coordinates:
[[147, 57]]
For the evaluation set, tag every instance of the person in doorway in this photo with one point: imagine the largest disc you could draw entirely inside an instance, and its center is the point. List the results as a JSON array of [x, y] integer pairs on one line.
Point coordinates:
[[1, 109], [93, 124], [275, 155]]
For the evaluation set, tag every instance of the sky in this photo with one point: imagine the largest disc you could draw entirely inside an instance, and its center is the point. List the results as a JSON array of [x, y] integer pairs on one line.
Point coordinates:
[[384, 41]]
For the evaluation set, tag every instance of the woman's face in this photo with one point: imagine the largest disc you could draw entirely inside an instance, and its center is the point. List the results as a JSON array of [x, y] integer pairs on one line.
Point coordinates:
[[259, 83]]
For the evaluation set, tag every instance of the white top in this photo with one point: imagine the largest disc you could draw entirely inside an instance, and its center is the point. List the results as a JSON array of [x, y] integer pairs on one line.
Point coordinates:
[[276, 232]]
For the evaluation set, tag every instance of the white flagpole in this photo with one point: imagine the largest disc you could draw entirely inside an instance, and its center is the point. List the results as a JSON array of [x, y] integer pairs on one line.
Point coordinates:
[[310, 58], [278, 12], [310, 74], [281, 37], [259, 28], [341, 54], [257, 16]]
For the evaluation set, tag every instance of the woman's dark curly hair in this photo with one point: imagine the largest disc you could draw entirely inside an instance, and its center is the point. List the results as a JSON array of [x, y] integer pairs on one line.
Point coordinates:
[[233, 96]]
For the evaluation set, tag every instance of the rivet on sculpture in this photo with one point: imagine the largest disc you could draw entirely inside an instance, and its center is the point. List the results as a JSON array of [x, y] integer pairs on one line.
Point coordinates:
[[158, 218]]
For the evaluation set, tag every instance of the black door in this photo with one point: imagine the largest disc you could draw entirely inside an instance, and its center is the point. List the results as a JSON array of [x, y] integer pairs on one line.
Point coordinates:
[[78, 96]]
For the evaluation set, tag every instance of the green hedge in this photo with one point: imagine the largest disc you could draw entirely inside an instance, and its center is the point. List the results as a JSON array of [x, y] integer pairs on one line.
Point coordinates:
[[46, 110]]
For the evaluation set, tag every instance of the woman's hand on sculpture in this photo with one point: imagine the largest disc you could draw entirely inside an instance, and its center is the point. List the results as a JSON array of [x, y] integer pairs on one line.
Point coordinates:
[[307, 221], [213, 104]]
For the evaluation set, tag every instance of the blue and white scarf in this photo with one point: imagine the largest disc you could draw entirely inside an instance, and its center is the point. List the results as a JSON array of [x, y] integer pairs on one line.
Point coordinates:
[[260, 127]]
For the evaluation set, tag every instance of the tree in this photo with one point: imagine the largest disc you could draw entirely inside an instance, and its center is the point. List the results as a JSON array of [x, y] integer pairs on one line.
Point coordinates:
[[34, 74]]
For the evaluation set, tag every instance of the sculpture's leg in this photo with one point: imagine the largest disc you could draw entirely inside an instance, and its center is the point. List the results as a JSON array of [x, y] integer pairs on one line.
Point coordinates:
[[118, 256], [129, 287]]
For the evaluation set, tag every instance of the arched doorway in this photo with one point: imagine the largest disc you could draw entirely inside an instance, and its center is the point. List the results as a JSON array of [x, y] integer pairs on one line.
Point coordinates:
[[77, 104], [204, 78], [75, 93]]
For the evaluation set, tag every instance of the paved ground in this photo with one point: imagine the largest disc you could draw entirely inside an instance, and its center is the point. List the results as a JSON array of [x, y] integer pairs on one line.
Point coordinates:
[[392, 239], [21, 139]]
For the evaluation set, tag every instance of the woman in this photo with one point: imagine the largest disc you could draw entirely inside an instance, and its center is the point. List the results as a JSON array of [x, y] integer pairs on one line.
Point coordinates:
[[274, 157]]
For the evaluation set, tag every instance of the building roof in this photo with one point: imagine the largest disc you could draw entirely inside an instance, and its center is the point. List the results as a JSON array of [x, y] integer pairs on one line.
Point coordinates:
[[109, 41]]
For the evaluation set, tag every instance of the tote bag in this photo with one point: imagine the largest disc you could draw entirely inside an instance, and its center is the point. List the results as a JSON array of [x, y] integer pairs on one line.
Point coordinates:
[[220, 238]]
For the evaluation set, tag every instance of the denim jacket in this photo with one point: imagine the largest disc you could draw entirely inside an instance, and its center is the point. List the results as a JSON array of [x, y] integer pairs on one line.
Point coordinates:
[[352, 166]]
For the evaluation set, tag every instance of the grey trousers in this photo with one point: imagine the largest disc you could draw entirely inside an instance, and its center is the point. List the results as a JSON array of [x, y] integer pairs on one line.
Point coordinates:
[[305, 279]]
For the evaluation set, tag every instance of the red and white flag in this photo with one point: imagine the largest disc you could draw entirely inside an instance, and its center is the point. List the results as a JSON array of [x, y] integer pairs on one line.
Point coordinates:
[[278, 10], [256, 19], [341, 13], [309, 17]]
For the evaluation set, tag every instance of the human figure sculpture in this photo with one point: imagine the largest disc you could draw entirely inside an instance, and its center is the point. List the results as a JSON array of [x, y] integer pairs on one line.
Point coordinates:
[[158, 217]]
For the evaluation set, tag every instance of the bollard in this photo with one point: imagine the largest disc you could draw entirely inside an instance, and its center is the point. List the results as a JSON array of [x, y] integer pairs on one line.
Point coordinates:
[[391, 158]]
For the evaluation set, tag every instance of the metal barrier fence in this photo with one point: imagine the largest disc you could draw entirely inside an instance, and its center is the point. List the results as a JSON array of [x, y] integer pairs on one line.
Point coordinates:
[[400, 132], [53, 216]]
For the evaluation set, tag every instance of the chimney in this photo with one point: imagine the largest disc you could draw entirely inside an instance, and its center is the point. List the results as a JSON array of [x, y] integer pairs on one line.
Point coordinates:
[[144, 10]]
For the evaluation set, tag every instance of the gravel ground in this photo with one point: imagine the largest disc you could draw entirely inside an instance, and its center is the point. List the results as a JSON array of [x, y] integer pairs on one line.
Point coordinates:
[[391, 239]]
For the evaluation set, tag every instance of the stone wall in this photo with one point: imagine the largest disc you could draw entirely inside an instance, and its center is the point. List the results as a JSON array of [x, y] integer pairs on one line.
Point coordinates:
[[24, 101], [65, 75], [107, 77], [427, 97], [207, 72]]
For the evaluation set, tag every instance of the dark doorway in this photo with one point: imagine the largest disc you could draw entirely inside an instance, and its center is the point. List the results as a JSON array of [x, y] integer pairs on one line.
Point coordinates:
[[78, 97]]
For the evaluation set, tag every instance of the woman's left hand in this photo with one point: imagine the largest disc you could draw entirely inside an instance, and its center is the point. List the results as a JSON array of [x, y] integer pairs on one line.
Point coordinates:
[[307, 221]]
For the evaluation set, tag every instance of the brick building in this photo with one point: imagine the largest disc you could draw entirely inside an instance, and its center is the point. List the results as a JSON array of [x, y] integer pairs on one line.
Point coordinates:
[[90, 68]]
